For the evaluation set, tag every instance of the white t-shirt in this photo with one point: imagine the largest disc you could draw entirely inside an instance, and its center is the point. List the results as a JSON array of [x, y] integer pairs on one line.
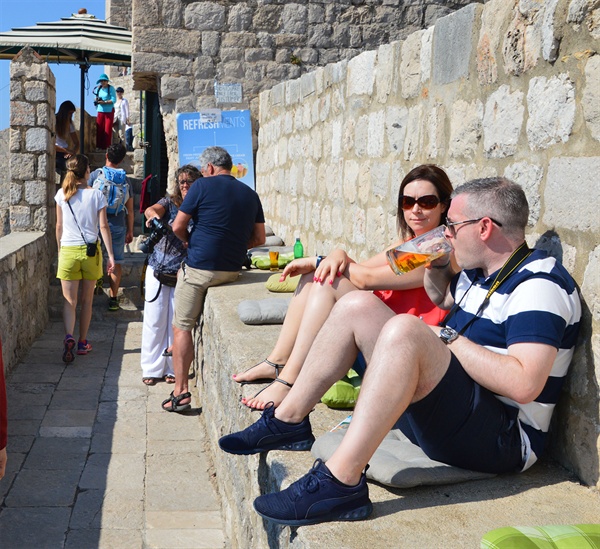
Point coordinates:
[[86, 204]]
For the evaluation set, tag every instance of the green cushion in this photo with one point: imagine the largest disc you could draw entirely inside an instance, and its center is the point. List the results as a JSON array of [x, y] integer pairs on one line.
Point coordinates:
[[343, 394], [578, 536], [288, 285]]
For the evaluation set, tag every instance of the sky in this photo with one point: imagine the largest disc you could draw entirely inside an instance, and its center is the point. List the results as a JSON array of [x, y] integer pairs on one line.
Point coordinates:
[[26, 13]]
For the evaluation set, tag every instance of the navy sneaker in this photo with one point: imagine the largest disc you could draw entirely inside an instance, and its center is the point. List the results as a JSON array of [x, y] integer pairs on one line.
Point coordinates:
[[316, 497], [269, 433]]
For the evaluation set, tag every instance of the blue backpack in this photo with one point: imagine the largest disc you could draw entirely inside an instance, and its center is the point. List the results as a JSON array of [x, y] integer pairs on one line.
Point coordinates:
[[112, 183]]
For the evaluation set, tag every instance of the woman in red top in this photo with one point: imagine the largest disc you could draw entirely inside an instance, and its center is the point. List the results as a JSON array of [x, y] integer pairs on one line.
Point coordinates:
[[3, 417], [423, 200]]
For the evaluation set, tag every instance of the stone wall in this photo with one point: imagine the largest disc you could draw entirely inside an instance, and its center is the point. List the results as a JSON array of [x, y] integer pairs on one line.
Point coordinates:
[[510, 88], [181, 47], [27, 252]]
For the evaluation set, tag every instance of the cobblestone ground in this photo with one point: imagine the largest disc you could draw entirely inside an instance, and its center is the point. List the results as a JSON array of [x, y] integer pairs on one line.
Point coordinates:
[[93, 461]]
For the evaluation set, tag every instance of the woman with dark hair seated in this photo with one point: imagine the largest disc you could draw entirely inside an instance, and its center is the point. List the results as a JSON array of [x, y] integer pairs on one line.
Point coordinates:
[[423, 201]]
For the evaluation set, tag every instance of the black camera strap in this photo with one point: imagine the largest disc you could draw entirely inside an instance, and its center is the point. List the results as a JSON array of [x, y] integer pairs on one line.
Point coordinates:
[[516, 258]]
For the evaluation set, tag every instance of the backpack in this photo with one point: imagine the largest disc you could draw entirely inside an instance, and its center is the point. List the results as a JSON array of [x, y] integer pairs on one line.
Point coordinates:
[[112, 183]]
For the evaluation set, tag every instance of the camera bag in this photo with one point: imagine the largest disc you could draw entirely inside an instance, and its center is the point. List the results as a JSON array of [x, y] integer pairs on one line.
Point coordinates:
[[167, 279]]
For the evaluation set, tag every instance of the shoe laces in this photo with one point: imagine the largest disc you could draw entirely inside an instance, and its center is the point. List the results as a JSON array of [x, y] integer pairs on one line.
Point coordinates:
[[311, 481]]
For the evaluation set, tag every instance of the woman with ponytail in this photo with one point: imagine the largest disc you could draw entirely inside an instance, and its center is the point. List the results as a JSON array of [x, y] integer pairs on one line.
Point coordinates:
[[79, 211]]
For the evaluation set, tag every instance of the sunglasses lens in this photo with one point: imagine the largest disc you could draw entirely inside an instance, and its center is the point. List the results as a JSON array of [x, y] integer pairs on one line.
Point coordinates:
[[427, 202]]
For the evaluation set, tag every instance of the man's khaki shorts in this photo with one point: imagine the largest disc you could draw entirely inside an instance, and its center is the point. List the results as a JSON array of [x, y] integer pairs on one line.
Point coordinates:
[[191, 291]]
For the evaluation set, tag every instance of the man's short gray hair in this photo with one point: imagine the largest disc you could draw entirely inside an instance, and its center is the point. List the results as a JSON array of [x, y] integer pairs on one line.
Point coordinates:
[[217, 156], [499, 198]]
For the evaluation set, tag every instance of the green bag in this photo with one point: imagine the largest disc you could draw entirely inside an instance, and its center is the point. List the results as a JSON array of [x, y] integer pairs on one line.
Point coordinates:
[[343, 393]]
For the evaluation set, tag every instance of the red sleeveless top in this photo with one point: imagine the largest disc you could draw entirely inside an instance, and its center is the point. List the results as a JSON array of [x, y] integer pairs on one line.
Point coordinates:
[[414, 302]]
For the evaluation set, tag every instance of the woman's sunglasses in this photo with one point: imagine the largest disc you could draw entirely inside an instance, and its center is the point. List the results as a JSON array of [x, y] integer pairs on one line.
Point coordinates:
[[427, 202]]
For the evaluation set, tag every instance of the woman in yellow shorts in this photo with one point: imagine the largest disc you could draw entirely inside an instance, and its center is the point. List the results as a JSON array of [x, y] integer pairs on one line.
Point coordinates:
[[79, 211]]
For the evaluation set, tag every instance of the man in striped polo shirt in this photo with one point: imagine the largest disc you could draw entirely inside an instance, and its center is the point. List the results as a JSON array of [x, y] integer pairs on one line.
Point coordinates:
[[477, 393]]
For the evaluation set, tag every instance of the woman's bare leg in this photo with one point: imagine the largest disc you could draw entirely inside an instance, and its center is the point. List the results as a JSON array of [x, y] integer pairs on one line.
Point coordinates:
[[287, 337], [85, 315], [69, 291], [320, 302]]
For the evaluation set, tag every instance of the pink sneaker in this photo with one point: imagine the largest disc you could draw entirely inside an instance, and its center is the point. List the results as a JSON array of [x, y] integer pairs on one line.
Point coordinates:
[[83, 347]]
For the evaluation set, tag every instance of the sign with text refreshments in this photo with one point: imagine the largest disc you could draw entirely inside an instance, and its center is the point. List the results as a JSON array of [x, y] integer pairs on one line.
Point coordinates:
[[196, 131]]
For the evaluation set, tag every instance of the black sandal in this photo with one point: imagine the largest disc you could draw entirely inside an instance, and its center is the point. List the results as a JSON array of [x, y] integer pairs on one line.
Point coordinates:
[[278, 368], [175, 400], [283, 381]]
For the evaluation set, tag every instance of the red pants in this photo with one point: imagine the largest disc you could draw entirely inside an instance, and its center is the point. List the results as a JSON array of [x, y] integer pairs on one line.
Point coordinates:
[[104, 124]]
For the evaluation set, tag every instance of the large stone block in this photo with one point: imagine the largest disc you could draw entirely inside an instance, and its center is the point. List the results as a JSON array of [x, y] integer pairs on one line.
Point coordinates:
[[410, 65], [396, 121], [550, 38], [267, 17], [294, 19], [204, 68], [35, 193], [162, 63], [522, 44], [376, 134], [563, 195], [426, 53], [413, 143], [36, 91], [37, 139], [22, 166], [240, 17], [174, 87], [204, 16], [590, 289], [493, 13], [22, 114], [502, 122], [436, 143], [20, 218], [551, 106], [168, 41], [145, 13], [466, 128], [452, 45], [386, 75], [361, 74], [591, 96], [44, 115], [529, 176]]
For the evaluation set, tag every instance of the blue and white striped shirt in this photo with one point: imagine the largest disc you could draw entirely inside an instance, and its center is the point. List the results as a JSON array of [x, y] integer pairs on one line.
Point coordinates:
[[538, 303]]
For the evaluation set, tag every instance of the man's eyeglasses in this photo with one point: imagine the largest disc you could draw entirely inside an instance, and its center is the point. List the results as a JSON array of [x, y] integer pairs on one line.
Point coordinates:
[[450, 225], [426, 202]]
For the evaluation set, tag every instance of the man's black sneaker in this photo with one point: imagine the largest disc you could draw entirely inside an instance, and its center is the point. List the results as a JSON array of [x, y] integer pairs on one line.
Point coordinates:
[[316, 497], [269, 433]]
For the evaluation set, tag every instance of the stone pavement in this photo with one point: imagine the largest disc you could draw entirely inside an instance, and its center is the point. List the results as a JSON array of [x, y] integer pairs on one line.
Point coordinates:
[[93, 461]]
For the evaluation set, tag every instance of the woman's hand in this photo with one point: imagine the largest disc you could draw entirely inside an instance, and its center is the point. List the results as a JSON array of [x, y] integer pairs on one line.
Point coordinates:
[[332, 266], [300, 266], [150, 220]]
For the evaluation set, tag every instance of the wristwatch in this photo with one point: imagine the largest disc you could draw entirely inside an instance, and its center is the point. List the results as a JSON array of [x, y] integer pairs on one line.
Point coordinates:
[[448, 335]]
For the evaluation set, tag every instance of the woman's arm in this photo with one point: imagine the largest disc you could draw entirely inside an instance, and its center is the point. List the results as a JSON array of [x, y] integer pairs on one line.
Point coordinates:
[[106, 237], [156, 210], [59, 225]]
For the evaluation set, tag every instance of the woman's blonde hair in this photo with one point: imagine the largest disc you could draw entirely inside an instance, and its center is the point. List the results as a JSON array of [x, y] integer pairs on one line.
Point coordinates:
[[76, 168]]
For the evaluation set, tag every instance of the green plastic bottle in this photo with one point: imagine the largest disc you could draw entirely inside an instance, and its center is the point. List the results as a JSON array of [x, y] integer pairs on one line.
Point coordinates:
[[298, 249]]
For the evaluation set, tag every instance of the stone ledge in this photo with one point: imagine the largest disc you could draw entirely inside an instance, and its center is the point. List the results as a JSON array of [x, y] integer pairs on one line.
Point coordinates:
[[449, 516]]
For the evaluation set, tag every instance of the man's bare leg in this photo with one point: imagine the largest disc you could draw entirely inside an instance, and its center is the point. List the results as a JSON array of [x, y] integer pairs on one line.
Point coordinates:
[[406, 361], [183, 354]]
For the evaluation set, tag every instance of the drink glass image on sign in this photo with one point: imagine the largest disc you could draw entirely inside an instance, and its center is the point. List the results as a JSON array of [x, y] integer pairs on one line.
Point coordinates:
[[274, 260], [419, 251]]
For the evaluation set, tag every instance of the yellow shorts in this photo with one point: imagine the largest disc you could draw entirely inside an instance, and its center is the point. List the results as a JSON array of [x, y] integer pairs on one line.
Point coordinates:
[[74, 264]]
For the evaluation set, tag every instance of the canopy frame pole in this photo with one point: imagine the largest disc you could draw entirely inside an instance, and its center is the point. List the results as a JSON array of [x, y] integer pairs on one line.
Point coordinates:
[[84, 66]]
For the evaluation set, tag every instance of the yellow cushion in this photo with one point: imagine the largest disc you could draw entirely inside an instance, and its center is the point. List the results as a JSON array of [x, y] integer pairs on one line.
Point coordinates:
[[288, 285]]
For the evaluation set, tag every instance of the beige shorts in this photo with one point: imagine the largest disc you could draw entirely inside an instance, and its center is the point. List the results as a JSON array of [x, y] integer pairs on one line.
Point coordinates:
[[191, 291]]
